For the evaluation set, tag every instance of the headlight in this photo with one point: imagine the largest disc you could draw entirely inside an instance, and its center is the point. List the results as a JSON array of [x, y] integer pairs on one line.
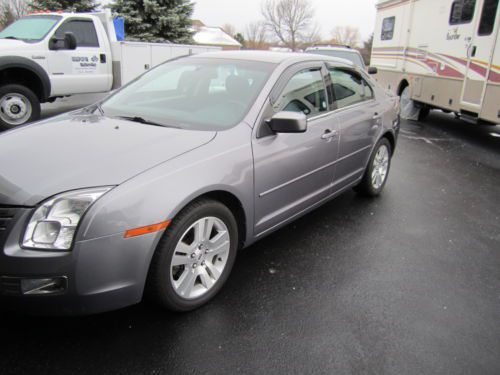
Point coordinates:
[[53, 225]]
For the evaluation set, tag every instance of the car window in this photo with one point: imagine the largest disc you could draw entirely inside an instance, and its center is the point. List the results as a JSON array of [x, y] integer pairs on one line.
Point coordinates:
[[192, 93], [488, 17], [388, 25], [462, 11], [305, 92], [84, 31], [349, 87]]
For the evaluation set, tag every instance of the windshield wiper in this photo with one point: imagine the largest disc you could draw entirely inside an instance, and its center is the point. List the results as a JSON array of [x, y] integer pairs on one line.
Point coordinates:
[[142, 120], [10, 37]]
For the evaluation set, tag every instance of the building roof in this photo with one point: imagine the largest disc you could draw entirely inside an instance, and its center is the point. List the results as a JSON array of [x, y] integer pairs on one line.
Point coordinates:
[[213, 36]]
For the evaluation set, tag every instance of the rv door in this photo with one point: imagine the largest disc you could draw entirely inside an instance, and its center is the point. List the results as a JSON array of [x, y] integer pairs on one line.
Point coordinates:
[[480, 54]]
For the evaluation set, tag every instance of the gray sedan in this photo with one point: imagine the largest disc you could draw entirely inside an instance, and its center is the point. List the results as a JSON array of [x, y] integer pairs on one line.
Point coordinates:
[[152, 191]]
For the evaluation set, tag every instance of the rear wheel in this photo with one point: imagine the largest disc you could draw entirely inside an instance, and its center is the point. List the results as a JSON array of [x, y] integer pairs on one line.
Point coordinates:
[[376, 173], [195, 256], [18, 106]]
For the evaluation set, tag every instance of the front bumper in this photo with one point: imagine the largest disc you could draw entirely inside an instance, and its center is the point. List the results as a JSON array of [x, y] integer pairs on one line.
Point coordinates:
[[100, 275]]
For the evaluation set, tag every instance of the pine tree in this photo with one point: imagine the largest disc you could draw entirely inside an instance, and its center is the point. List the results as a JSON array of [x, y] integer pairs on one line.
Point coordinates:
[[156, 20], [66, 5]]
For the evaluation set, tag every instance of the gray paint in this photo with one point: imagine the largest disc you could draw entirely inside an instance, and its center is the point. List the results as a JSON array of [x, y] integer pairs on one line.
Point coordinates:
[[158, 171]]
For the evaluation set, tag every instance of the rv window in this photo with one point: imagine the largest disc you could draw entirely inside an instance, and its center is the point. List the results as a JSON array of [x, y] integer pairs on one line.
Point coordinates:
[[388, 28], [462, 11], [488, 17]]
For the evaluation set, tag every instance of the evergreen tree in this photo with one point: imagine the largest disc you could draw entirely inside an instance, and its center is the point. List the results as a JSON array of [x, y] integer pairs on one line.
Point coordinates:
[[240, 38], [156, 20], [66, 5]]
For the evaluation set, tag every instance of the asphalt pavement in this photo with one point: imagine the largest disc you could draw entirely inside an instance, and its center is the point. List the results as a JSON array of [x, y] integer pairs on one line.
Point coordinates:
[[408, 283]]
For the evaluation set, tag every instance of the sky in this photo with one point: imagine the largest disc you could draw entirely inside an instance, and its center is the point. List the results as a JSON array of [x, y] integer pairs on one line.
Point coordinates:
[[329, 13]]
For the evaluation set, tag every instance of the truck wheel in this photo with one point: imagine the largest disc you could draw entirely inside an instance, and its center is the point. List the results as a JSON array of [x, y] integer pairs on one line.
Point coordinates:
[[18, 106]]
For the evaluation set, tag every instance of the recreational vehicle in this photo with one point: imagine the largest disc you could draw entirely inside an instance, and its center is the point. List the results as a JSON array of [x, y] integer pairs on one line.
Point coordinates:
[[440, 54]]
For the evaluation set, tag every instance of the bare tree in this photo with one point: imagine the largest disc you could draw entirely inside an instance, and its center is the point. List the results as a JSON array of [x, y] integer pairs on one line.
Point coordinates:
[[12, 10], [291, 21], [256, 35], [229, 29], [346, 35]]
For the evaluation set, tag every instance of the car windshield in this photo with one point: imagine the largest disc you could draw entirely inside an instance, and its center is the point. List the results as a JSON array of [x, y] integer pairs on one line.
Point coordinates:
[[31, 28], [192, 93], [348, 55]]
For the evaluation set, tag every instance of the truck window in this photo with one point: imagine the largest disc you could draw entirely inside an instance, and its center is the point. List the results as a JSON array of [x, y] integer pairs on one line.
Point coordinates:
[[84, 31], [487, 23], [32, 28], [462, 11], [388, 28], [349, 88]]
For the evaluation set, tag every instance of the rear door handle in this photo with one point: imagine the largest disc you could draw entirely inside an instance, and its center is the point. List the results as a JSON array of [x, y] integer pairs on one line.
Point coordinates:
[[376, 116], [329, 134]]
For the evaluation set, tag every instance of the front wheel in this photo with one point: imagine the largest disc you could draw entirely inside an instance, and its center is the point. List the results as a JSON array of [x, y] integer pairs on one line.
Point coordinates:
[[195, 256], [376, 173], [18, 106]]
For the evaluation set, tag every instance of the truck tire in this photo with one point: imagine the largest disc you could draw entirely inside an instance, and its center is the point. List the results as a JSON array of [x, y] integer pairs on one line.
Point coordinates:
[[18, 106]]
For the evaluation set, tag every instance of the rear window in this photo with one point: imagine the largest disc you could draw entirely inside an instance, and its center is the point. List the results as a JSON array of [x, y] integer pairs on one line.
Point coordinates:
[[352, 56], [462, 11], [488, 17]]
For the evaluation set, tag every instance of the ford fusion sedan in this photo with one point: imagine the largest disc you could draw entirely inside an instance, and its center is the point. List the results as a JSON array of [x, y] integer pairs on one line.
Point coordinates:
[[152, 191]]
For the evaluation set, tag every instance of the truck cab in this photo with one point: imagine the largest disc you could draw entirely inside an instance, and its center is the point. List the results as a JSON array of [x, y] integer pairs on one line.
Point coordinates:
[[49, 55]]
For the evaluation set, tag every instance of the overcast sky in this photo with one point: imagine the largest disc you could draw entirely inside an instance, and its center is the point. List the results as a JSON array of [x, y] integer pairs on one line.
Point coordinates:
[[329, 13]]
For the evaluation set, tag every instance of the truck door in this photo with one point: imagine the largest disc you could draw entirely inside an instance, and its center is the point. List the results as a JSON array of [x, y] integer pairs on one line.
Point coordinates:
[[480, 54], [84, 70]]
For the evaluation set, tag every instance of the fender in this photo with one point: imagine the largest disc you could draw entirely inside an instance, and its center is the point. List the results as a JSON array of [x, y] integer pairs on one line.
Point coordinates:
[[24, 63]]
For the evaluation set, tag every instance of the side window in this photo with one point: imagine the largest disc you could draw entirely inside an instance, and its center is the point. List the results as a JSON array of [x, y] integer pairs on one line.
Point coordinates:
[[462, 11], [488, 17], [305, 92], [388, 25], [349, 88], [84, 31]]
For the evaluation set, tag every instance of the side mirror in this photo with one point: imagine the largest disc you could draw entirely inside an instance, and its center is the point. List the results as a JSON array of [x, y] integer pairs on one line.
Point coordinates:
[[372, 70], [288, 122], [69, 42]]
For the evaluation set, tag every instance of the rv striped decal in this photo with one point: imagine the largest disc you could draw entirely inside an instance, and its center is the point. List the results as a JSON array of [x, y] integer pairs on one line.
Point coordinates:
[[435, 62]]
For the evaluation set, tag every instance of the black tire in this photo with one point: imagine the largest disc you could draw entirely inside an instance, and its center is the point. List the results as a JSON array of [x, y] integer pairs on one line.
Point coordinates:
[[29, 95], [424, 113], [366, 186], [159, 287]]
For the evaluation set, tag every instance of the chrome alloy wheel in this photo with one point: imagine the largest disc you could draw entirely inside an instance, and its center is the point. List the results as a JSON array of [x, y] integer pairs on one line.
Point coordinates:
[[15, 109], [380, 167], [200, 257]]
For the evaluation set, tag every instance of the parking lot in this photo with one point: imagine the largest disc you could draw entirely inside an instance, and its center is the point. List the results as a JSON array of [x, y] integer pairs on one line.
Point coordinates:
[[408, 283]]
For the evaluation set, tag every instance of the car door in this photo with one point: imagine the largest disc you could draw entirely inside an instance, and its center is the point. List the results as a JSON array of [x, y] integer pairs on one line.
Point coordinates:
[[359, 116], [294, 171], [83, 70]]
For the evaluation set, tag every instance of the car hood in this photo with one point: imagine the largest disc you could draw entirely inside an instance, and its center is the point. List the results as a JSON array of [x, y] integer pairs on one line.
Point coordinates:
[[73, 152], [9, 44]]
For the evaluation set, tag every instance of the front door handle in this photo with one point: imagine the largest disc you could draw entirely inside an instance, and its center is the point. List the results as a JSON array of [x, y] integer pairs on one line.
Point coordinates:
[[329, 134]]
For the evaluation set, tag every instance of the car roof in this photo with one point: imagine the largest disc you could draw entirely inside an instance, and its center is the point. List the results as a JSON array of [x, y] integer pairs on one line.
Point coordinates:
[[333, 48], [272, 57]]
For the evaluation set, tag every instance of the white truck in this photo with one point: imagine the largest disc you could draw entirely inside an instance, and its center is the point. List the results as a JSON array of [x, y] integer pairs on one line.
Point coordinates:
[[440, 54], [49, 55]]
